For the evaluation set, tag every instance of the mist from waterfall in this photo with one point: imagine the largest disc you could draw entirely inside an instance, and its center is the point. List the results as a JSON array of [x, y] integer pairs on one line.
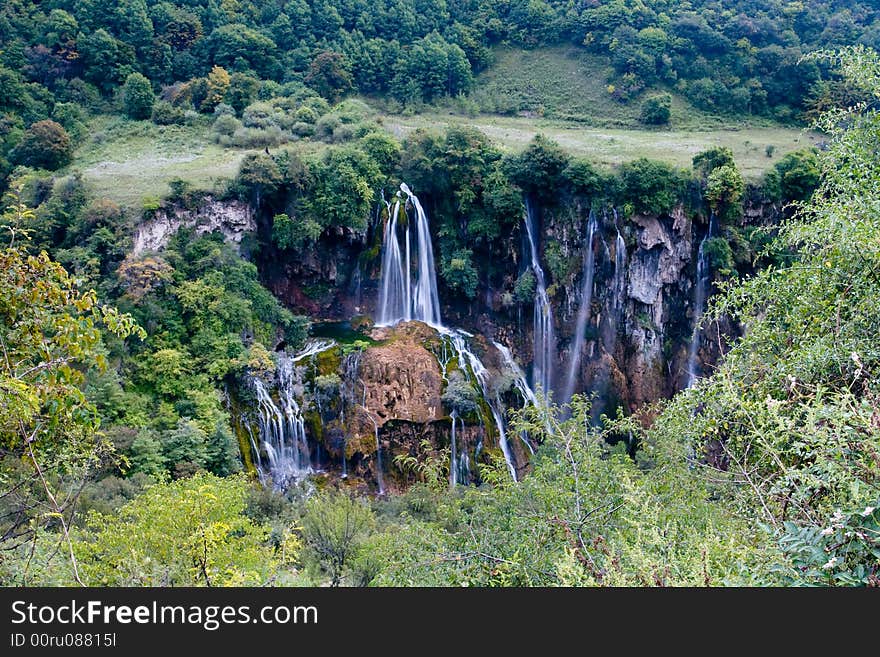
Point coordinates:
[[701, 292], [543, 338], [399, 298], [583, 316]]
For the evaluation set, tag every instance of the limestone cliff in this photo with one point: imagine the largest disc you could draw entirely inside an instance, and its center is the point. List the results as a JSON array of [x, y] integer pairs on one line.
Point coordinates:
[[234, 219]]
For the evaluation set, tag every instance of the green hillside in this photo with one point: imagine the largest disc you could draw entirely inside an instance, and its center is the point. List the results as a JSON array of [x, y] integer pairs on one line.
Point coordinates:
[[573, 85]]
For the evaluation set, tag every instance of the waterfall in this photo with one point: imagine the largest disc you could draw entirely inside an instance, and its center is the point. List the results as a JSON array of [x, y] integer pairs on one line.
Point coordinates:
[[618, 285], [380, 477], [544, 341], [453, 457], [313, 348], [464, 463], [519, 377], [392, 286], [583, 315], [522, 385], [459, 463], [701, 291], [481, 374], [282, 432], [399, 299]]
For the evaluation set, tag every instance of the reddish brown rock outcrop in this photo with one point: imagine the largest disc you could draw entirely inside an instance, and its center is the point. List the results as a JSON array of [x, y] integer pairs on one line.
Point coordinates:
[[401, 377]]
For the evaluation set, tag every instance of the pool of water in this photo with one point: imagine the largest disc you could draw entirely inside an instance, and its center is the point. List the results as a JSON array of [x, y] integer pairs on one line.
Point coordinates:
[[342, 332]]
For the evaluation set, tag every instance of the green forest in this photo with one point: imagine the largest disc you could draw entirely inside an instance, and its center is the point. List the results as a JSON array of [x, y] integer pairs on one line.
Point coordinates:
[[337, 293]]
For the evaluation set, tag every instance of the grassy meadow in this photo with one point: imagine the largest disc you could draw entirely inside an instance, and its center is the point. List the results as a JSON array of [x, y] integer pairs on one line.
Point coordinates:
[[560, 92]]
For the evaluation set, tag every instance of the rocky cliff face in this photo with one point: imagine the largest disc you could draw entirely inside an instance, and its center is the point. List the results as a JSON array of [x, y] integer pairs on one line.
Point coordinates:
[[636, 343], [234, 219], [389, 397], [400, 377], [363, 405], [326, 282]]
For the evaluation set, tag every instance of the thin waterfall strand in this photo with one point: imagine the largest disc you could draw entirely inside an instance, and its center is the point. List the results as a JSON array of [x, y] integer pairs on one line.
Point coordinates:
[[583, 316], [701, 292], [543, 338], [618, 286], [481, 374], [392, 284], [522, 385], [453, 456]]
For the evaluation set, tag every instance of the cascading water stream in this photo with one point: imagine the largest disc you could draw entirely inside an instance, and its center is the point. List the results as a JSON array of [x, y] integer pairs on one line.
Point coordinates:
[[453, 456], [464, 463], [519, 380], [583, 315], [544, 340], [313, 348], [380, 477], [399, 299], [392, 283], [282, 433], [618, 285], [521, 384], [701, 291], [458, 340]]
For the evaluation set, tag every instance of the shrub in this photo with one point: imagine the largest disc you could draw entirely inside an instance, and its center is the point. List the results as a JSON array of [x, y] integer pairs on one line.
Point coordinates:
[[72, 117], [538, 169], [651, 186], [258, 115], [584, 179], [226, 125], [138, 97], [302, 129], [720, 255], [216, 86], [460, 395], [707, 161], [325, 127], [524, 289], [334, 528], [794, 177], [459, 273], [293, 232], [242, 90], [724, 191], [330, 75], [382, 148], [307, 114], [256, 138], [45, 145], [189, 532], [656, 110], [164, 113]]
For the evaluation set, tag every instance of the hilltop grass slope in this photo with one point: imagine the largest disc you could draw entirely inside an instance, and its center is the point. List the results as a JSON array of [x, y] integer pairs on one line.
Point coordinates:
[[559, 92]]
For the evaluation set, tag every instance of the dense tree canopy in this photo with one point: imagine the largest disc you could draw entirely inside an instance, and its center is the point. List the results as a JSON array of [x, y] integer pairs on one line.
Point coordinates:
[[743, 58]]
